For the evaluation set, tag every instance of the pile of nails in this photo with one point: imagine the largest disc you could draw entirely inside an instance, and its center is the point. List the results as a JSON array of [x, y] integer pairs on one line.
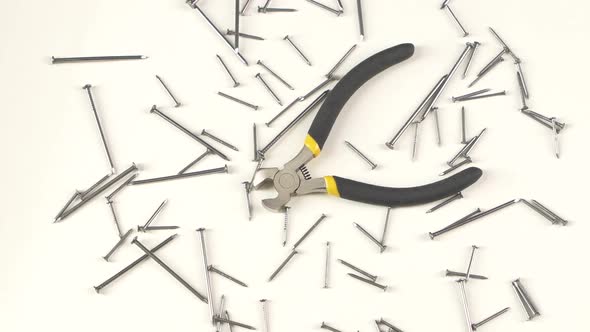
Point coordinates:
[[213, 145]]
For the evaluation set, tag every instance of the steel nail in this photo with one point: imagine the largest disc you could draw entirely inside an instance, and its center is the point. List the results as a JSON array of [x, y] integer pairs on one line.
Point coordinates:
[[468, 273], [357, 269], [327, 267], [267, 87], [525, 299], [231, 327], [297, 49], [220, 311], [337, 65], [97, 192], [368, 281], [118, 244], [218, 140], [232, 322], [244, 7], [329, 328], [555, 137], [237, 100], [434, 111], [318, 87], [461, 153], [360, 154], [454, 225], [488, 69], [463, 126], [255, 142], [306, 234], [544, 208], [85, 193], [475, 93], [456, 196], [285, 224], [385, 225], [227, 276], [236, 83], [359, 9], [115, 219], [508, 50], [264, 303], [201, 232], [415, 142], [497, 314], [471, 145], [522, 92], [194, 162], [56, 60], [133, 264], [168, 269], [223, 169], [465, 161], [159, 228], [474, 46], [321, 5], [87, 87], [123, 185], [466, 310], [237, 27], [454, 17], [452, 72], [381, 246], [522, 79], [177, 103], [450, 273], [243, 35], [187, 132], [247, 187], [540, 211], [68, 203], [275, 10], [274, 274], [275, 75], [391, 326]]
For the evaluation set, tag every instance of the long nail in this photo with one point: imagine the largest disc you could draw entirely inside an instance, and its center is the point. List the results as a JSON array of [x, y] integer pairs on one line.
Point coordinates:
[[176, 102], [482, 74], [540, 211], [544, 208], [232, 322], [450, 273], [359, 9], [454, 17], [321, 5], [474, 93], [306, 234], [525, 299], [68, 203], [239, 101], [118, 244], [297, 49], [201, 232], [456, 196], [274, 274], [249, 205], [337, 65], [194, 162], [218, 140], [243, 35], [267, 87], [368, 281], [385, 225], [115, 219], [56, 60], [360, 154], [231, 76], [357, 269], [454, 225], [119, 188], [223, 169], [327, 266], [381, 246], [474, 46], [454, 167], [87, 192], [275, 75], [87, 87], [466, 309], [468, 273], [227, 276], [437, 125], [496, 315], [463, 126]]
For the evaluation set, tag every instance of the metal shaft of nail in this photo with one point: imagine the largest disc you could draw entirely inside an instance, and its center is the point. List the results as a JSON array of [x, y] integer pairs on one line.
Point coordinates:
[[306, 234], [220, 312], [115, 219], [237, 28], [101, 131], [276, 10], [474, 93], [270, 71], [501, 93], [123, 185], [551, 213], [232, 322], [274, 274], [461, 153], [181, 176], [270, 91], [523, 302], [134, 263], [160, 228], [218, 140], [415, 142], [90, 189], [97, 192], [454, 17], [329, 328], [540, 211], [416, 113], [227, 276], [296, 120], [327, 266], [452, 72], [555, 137], [285, 225], [371, 237], [298, 50], [454, 225], [255, 142], [264, 305], [188, 132], [321, 5], [472, 145], [368, 281], [450, 273], [357, 269], [68, 203], [201, 232], [340, 5], [194, 162], [337, 65], [456, 196], [468, 273], [231, 327], [220, 34], [360, 154], [522, 80], [504, 45], [244, 7], [169, 270], [55, 60], [385, 225], [118, 244], [282, 112], [527, 300], [454, 167], [492, 317], [463, 126], [490, 211], [317, 88], [243, 35], [392, 328], [488, 69], [521, 89], [249, 205], [177, 104], [547, 120], [474, 46], [237, 100], [359, 9], [466, 310], [437, 126], [236, 83]]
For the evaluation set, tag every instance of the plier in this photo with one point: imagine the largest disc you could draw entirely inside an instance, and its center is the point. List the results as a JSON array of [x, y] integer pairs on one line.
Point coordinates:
[[294, 178]]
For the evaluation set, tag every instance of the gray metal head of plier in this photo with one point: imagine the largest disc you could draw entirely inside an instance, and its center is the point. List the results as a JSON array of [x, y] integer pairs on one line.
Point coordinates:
[[288, 182]]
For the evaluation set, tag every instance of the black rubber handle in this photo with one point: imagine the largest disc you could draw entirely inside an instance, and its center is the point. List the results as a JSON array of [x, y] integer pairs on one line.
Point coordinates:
[[371, 194], [347, 86]]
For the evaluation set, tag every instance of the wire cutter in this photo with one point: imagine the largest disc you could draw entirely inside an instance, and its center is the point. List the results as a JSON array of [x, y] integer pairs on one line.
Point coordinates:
[[294, 178]]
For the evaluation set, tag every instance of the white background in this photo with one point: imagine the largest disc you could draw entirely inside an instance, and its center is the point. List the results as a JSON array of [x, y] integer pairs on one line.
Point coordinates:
[[51, 146]]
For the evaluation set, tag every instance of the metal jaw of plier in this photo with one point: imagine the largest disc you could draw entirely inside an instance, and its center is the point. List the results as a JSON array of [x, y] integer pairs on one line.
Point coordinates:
[[294, 179]]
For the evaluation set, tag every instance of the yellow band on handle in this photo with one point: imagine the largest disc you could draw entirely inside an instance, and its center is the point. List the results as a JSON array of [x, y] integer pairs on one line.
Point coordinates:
[[312, 145], [331, 186]]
